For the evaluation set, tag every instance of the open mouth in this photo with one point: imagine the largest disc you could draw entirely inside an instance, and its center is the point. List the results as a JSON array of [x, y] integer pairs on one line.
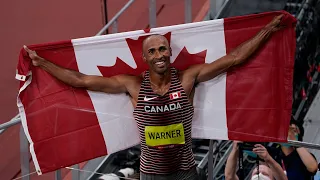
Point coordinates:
[[160, 64]]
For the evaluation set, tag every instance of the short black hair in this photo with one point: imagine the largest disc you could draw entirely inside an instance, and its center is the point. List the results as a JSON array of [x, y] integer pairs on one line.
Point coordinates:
[[300, 126]]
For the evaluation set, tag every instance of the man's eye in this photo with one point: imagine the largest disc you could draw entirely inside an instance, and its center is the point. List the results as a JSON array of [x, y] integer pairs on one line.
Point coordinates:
[[163, 49], [151, 52]]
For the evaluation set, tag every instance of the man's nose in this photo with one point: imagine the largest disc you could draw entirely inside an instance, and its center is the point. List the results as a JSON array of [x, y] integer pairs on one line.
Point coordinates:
[[157, 55]]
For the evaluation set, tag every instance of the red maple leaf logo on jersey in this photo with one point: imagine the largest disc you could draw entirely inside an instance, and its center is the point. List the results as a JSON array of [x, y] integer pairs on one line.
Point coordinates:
[[183, 60]]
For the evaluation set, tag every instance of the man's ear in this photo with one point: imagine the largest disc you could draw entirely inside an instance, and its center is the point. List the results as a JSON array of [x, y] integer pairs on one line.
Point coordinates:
[[144, 57], [170, 51]]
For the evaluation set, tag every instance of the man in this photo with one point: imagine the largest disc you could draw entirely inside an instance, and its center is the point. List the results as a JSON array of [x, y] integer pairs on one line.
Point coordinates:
[[268, 171], [298, 162], [164, 120]]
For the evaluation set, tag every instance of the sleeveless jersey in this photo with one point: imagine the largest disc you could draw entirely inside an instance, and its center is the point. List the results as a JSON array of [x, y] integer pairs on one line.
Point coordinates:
[[155, 111]]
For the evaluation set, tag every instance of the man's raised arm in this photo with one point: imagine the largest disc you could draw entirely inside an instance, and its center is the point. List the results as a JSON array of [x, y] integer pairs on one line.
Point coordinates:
[[114, 84], [239, 55]]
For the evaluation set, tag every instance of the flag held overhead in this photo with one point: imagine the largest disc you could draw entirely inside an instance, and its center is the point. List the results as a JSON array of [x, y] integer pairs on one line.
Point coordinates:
[[66, 125]]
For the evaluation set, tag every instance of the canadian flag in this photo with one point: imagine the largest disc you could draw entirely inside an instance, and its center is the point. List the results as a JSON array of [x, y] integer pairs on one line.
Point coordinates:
[[175, 95], [66, 125]]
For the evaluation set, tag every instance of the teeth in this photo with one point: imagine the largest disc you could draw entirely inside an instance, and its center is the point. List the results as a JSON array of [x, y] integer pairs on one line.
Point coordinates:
[[159, 63]]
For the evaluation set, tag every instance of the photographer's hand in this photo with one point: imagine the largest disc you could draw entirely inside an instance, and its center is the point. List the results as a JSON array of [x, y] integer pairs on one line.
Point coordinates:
[[262, 152], [277, 171]]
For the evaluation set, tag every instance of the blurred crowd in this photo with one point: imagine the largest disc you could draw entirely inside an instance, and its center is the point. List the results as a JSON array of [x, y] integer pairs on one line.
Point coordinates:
[[277, 161]]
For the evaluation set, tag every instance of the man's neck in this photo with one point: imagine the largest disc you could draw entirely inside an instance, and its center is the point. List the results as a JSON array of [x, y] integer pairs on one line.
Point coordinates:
[[160, 80], [287, 150]]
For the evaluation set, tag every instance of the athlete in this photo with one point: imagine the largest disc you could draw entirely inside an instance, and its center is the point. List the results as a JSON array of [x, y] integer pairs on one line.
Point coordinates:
[[162, 100]]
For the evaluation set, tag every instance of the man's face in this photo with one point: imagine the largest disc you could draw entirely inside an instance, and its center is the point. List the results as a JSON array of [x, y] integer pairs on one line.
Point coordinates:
[[264, 170], [293, 132], [156, 52]]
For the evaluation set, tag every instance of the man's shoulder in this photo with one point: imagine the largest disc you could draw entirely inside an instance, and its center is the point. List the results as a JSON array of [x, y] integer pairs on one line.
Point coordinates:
[[129, 77], [130, 81], [189, 71]]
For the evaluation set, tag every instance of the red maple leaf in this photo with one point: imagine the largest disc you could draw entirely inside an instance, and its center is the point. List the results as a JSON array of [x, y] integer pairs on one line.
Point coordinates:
[[183, 60]]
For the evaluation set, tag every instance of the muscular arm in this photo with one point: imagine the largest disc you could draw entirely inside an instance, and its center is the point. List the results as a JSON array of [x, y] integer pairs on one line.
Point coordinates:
[[231, 165], [116, 84], [307, 159], [239, 55]]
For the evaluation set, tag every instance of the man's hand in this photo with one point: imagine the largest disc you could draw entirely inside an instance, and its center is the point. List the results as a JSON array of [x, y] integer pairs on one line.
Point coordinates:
[[235, 146], [276, 169], [33, 56], [261, 151], [274, 25]]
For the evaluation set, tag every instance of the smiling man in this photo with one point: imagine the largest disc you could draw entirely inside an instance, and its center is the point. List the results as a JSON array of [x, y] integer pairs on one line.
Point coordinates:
[[162, 100]]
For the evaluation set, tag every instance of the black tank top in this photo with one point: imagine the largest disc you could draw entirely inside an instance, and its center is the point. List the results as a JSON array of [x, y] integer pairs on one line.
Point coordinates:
[[154, 110]]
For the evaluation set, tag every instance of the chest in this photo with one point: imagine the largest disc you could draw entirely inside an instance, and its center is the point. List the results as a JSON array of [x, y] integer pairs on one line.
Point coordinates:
[[295, 167], [172, 107], [172, 101]]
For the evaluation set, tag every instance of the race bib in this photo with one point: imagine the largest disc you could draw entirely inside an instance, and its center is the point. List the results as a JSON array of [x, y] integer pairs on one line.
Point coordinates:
[[164, 136]]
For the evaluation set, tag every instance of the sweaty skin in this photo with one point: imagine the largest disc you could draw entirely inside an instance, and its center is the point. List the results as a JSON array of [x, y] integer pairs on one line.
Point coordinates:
[[156, 53]]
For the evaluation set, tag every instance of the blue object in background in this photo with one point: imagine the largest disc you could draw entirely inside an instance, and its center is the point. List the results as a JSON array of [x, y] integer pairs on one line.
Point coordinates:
[[250, 153], [317, 176]]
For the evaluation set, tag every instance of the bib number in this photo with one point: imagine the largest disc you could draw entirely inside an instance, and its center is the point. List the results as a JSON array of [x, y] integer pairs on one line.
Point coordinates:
[[164, 136]]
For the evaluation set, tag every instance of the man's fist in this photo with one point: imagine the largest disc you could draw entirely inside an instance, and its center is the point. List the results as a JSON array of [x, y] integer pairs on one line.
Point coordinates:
[[235, 145], [274, 25], [261, 151], [33, 56]]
